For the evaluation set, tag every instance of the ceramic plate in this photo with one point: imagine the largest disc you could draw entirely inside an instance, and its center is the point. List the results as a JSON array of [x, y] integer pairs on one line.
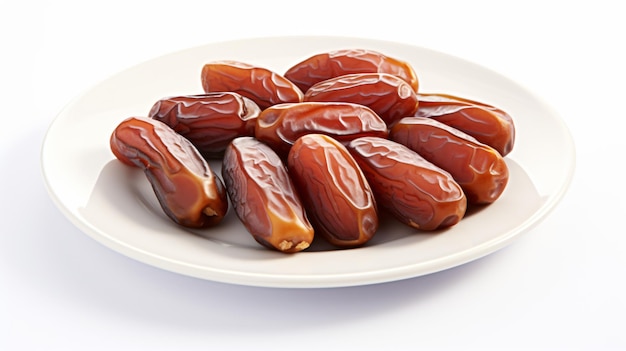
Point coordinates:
[[115, 205]]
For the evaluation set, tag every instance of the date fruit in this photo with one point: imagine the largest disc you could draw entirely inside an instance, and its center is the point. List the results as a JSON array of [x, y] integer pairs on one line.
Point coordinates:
[[264, 197], [337, 63], [281, 125], [486, 123], [187, 189], [261, 85], [334, 191], [478, 168], [412, 189], [210, 121], [389, 96]]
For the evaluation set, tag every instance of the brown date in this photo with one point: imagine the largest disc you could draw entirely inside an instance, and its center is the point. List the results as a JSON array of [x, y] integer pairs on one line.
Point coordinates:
[[334, 191], [412, 189], [264, 197], [337, 63], [478, 168], [389, 96], [281, 125], [486, 123], [186, 187], [210, 121], [261, 85]]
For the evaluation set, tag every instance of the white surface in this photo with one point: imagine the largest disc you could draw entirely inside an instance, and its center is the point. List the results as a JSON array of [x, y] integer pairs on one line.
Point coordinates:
[[117, 206], [560, 286]]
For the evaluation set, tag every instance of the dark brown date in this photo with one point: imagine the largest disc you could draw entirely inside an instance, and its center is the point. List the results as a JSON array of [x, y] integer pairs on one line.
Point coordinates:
[[334, 191], [389, 96], [281, 125], [264, 197], [261, 85], [478, 168], [412, 189], [486, 123], [186, 187], [210, 121], [337, 63]]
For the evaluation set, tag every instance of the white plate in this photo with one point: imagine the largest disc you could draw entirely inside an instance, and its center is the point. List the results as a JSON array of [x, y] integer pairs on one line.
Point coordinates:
[[115, 205]]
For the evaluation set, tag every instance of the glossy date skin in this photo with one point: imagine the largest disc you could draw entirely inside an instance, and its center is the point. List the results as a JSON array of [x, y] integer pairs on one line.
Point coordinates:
[[210, 121], [337, 63], [334, 191], [261, 85], [187, 189], [264, 197], [478, 168], [281, 125], [388, 96], [413, 190], [486, 123]]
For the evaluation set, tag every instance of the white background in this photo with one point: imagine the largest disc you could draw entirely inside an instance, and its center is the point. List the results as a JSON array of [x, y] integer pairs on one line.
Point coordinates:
[[560, 286]]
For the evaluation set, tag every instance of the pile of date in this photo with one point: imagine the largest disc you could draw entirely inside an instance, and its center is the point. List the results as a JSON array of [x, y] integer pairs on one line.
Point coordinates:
[[319, 151]]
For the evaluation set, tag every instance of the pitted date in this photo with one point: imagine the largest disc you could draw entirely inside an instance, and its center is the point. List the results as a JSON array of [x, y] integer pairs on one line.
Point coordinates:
[[478, 168], [210, 121], [486, 123], [334, 191], [281, 125], [319, 150], [261, 85], [389, 96], [185, 186], [337, 63], [264, 197], [412, 189]]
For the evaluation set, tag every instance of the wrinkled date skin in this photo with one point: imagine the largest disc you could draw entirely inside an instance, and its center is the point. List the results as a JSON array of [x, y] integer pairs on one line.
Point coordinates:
[[478, 168], [281, 125], [389, 96], [334, 191], [261, 85], [412, 189], [337, 63], [210, 121], [264, 197], [486, 123], [186, 187]]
